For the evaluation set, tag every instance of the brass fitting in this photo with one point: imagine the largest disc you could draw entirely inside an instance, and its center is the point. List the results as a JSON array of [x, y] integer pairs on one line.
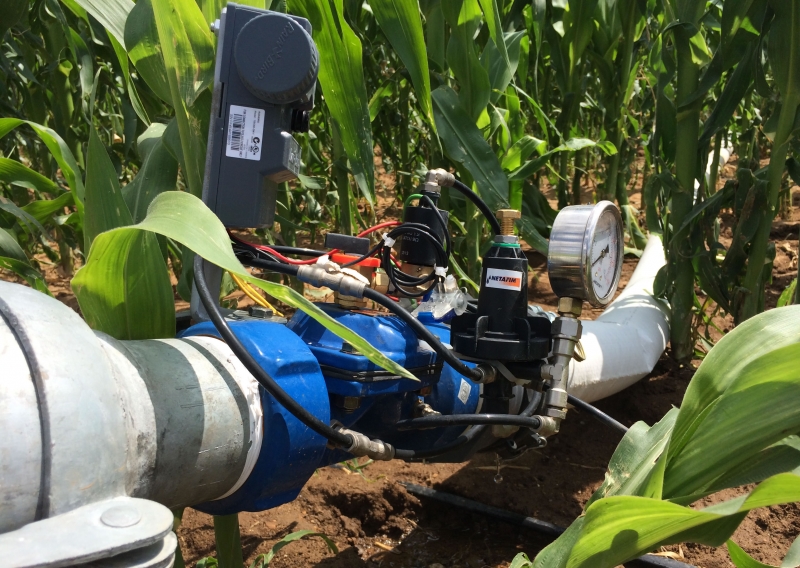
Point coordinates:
[[507, 218], [570, 307]]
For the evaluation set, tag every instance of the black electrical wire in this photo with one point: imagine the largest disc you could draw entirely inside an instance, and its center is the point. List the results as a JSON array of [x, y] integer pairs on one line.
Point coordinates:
[[543, 527], [424, 333], [261, 375], [275, 266], [436, 451], [480, 204], [464, 438], [299, 251], [444, 420], [597, 414]]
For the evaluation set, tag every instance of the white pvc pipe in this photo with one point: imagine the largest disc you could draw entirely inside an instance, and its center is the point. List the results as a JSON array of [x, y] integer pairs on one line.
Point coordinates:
[[625, 342]]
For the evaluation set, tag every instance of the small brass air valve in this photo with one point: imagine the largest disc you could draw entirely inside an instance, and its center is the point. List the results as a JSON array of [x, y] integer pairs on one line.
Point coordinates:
[[507, 218]]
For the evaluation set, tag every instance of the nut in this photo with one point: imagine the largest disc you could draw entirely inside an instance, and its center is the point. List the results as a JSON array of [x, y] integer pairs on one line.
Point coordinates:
[[570, 307], [507, 218]]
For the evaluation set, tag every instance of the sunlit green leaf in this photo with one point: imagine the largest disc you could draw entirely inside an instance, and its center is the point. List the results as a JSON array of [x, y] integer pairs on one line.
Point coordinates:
[[105, 206], [101, 284], [400, 21], [464, 144], [341, 76]]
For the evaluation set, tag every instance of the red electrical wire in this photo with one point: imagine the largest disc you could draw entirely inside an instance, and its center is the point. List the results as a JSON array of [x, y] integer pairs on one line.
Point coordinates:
[[366, 232], [296, 262]]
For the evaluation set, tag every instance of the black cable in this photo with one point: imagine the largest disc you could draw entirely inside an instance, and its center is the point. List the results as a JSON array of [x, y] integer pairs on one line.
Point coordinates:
[[424, 333], [597, 414], [444, 420], [480, 204], [281, 267], [436, 451], [363, 257], [299, 251], [543, 527], [400, 279], [442, 223], [263, 378]]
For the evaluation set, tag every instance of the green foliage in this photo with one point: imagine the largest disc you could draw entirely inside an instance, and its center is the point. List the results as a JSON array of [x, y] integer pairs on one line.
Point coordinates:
[[226, 530], [115, 302], [263, 560], [657, 471]]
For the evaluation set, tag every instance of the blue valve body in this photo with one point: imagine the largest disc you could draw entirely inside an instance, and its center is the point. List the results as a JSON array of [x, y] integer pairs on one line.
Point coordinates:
[[323, 373]]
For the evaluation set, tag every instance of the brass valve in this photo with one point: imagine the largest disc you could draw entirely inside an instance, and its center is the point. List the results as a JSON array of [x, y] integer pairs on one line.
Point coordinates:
[[507, 218]]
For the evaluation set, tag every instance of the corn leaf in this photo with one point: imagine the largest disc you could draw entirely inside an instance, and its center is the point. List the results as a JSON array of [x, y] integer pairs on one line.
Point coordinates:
[[400, 21], [635, 458], [105, 206], [341, 76], [13, 172], [702, 459], [144, 49], [100, 284], [133, 94], [263, 560], [24, 270], [9, 247], [749, 342], [111, 14], [464, 17], [784, 37], [12, 12], [465, 144], [211, 8], [637, 525], [42, 209], [124, 288], [60, 151], [188, 50], [158, 173], [494, 22], [741, 559], [25, 219]]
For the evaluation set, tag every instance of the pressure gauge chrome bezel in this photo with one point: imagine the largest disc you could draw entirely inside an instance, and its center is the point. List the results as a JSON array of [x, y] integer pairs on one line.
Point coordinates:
[[569, 261]]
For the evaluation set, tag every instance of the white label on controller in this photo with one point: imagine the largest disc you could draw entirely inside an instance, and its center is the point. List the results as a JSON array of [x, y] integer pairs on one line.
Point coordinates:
[[505, 279], [463, 392], [245, 133]]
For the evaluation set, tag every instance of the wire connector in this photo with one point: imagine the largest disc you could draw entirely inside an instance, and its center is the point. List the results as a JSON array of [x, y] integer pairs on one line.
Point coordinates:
[[440, 271], [389, 241], [363, 446]]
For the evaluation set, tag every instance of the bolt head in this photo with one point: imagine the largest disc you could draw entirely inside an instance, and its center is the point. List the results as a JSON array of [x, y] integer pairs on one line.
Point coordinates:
[[120, 517], [508, 214]]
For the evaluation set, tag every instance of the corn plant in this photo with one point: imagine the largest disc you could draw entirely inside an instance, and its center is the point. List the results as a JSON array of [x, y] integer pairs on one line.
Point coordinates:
[[740, 393]]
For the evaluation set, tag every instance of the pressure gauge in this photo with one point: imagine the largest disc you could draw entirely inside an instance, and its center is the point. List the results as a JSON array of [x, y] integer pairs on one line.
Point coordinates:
[[586, 248]]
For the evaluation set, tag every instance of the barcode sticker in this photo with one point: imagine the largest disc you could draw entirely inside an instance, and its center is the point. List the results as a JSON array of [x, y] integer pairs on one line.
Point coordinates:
[[245, 133]]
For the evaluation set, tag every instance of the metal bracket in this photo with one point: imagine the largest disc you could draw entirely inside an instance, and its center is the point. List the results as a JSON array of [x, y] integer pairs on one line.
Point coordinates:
[[95, 532]]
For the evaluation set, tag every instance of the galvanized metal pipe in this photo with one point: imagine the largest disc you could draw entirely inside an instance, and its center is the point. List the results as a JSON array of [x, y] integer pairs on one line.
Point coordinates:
[[86, 417]]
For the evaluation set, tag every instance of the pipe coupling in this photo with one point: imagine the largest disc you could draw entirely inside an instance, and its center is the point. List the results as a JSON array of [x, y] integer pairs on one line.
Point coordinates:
[[341, 282], [363, 446], [440, 177]]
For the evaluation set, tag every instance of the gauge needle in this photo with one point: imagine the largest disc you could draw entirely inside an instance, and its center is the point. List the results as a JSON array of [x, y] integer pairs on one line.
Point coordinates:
[[602, 254]]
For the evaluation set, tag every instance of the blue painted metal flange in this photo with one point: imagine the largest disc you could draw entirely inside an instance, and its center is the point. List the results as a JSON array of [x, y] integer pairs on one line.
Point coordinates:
[[290, 452]]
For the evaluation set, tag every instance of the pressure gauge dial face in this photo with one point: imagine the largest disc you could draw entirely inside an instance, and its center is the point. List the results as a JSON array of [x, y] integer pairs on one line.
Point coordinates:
[[586, 248]]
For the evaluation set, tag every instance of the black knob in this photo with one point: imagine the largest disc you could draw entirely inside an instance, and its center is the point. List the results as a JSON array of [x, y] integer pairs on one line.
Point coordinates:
[[301, 120], [276, 59]]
